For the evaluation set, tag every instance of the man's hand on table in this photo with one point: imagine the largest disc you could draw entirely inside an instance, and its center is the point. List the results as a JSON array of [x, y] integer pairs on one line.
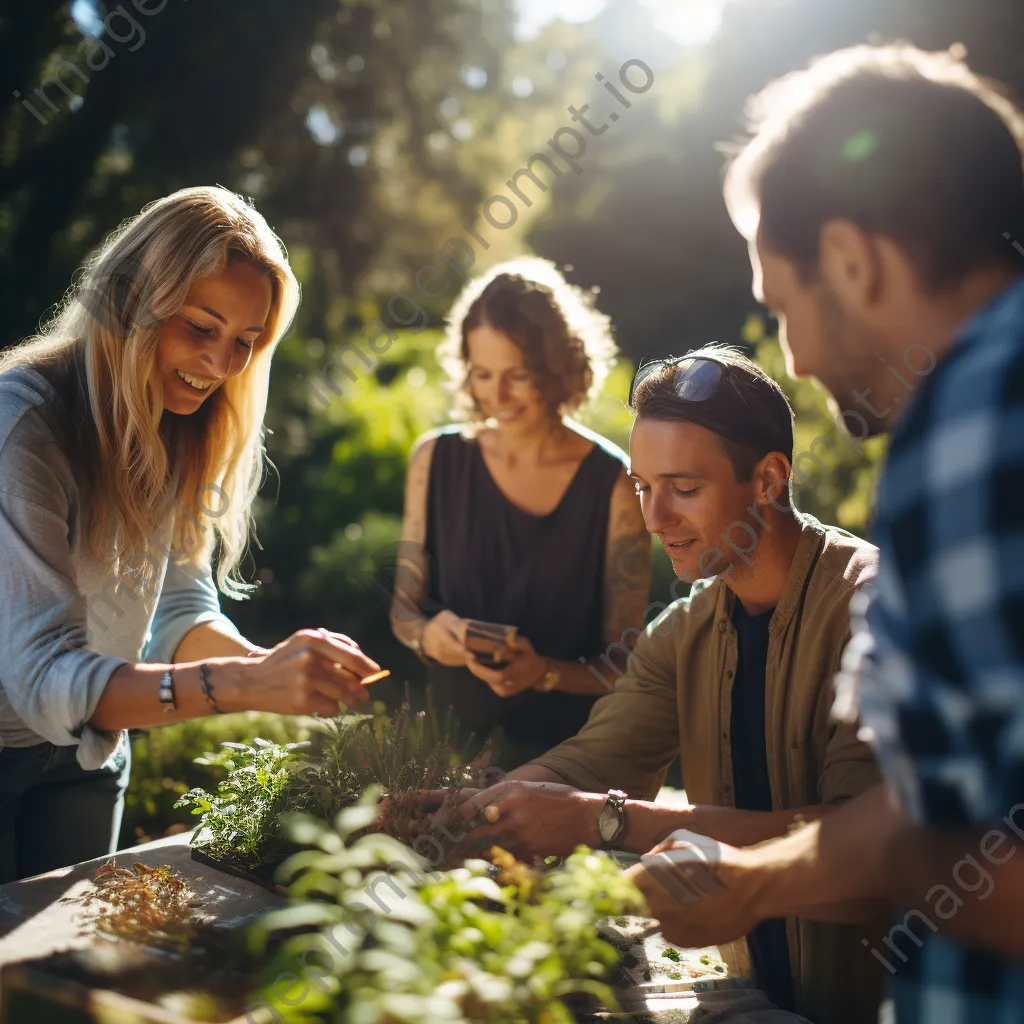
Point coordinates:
[[535, 818], [532, 819]]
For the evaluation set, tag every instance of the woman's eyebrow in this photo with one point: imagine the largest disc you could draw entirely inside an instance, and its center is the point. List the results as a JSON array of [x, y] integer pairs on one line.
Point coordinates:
[[217, 316]]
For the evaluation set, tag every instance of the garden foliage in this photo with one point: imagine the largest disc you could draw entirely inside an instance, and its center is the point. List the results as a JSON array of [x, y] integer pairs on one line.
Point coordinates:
[[382, 938], [241, 823]]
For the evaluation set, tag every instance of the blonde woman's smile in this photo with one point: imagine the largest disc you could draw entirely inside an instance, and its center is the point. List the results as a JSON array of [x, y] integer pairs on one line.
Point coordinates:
[[199, 384]]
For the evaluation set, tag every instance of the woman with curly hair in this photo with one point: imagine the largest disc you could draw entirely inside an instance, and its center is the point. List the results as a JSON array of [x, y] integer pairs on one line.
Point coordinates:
[[519, 516], [130, 452]]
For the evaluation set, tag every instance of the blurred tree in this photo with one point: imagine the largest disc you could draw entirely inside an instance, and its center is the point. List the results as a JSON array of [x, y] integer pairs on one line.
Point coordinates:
[[369, 132], [650, 226], [309, 108]]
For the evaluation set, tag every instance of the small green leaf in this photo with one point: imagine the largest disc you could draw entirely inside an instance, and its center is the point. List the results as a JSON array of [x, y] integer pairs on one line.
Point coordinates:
[[352, 819], [301, 828], [302, 915]]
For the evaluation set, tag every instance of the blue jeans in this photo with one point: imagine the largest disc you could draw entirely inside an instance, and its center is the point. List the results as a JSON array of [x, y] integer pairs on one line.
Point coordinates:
[[54, 812]]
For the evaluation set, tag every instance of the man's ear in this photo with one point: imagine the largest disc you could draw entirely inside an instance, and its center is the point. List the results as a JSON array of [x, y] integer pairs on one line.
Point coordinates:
[[773, 474], [850, 264]]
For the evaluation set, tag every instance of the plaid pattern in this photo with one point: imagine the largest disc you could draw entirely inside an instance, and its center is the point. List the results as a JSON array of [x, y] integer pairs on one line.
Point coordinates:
[[939, 653]]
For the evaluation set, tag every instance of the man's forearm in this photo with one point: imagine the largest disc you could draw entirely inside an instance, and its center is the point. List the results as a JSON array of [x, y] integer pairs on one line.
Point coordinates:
[[649, 824], [536, 773], [970, 886], [838, 859]]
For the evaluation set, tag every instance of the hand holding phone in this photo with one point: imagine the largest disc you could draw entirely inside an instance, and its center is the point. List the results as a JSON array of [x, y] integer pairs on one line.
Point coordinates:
[[491, 643]]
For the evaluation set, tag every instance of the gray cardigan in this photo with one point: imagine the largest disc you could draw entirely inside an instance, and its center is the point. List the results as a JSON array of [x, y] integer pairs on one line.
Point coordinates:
[[67, 622]]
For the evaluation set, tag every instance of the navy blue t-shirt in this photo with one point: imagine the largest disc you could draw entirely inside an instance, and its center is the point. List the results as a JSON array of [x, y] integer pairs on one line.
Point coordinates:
[[769, 949]]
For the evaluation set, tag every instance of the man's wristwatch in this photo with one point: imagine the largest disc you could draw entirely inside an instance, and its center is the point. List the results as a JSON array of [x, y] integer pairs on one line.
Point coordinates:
[[611, 822]]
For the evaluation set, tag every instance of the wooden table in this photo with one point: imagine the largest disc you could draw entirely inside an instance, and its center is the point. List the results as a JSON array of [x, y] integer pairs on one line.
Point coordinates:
[[37, 919]]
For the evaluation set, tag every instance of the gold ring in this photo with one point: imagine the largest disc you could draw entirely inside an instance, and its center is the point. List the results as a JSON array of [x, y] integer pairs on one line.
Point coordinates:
[[491, 813]]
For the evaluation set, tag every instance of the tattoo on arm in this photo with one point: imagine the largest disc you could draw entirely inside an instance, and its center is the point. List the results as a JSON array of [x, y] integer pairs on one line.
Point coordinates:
[[627, 576], [411, 575]]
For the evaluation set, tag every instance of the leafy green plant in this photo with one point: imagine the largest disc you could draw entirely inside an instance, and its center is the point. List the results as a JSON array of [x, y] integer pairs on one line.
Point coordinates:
[[409, 751], [240, 823], [382, 938], [164, 766]]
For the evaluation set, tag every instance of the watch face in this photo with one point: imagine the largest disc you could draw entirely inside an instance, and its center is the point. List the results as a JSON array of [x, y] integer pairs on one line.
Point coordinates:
[[606, 824]]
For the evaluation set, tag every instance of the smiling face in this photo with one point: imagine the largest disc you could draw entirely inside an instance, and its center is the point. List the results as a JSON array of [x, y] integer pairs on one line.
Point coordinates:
[[501, 383], [210, 339], [690, 497]]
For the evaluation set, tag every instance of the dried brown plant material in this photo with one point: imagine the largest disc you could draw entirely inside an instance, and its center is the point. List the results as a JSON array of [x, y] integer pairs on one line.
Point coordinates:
[[403, 817], [139, 903]]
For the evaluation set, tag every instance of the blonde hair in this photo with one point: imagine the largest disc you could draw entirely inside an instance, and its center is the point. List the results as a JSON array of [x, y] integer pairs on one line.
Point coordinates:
[[566, 343], [102, 344]]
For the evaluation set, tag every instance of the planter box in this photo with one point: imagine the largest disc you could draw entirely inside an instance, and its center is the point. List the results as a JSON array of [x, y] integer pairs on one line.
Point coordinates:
[[264, 879]]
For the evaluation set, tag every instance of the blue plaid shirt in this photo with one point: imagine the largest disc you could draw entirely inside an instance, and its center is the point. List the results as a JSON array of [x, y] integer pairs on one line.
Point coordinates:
[[939, 658]]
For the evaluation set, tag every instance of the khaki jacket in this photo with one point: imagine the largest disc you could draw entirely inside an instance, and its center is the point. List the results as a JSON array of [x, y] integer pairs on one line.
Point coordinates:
[[676, 697]]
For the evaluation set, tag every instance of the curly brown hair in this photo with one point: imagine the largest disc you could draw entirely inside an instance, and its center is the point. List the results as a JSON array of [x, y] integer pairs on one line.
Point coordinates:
[[566, 343]]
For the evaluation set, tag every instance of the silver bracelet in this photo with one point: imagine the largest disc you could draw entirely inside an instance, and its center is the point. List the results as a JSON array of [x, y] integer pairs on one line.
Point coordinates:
[[166, 692]]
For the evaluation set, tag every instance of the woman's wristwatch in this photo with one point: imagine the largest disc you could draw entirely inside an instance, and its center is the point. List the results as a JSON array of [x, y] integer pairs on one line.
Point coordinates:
[[551, 678]]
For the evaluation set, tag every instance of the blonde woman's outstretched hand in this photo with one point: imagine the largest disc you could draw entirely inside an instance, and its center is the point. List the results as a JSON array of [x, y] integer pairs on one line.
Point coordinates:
[[312, 671]]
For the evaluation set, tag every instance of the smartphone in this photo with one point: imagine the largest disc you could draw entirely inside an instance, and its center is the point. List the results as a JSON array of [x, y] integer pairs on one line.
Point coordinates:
[[490, 642]]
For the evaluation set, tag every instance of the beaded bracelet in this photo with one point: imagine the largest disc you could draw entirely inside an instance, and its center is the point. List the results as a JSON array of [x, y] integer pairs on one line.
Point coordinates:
[[207, 686]]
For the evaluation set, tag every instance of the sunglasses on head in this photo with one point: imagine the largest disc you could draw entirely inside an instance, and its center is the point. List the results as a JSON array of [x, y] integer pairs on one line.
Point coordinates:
[[697, 379]]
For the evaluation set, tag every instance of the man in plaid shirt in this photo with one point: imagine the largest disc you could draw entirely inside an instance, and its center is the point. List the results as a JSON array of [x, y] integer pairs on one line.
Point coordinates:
[[883, 196]]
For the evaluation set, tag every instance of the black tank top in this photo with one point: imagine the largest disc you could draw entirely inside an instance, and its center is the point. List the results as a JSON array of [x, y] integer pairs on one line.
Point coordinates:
[[490, 560]]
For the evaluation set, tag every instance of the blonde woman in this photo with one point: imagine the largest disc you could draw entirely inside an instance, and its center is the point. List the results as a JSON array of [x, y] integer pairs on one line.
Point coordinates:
[[130, 452], [519, 516]]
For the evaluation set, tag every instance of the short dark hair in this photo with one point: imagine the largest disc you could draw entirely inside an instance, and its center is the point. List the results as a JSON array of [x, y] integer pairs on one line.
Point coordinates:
[[904, 143], [748, 412]]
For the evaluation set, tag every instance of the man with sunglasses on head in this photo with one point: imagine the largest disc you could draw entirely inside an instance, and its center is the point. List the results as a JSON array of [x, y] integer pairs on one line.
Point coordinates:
[[882, 196], [735, 678]]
